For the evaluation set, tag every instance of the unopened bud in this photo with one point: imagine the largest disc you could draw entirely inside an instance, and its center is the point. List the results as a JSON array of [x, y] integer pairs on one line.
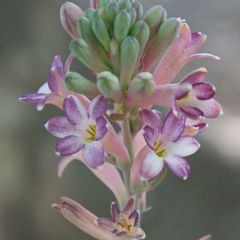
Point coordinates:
[[141, 86], [80, 49], [165, 36], [129, 57], [101, 31], [121, 25], [70, 14], [108, 85], [139, 10], [77, 83], [89, 13], [154, 17], [141, 32], [125, 4], [85, 29], [112, 11]]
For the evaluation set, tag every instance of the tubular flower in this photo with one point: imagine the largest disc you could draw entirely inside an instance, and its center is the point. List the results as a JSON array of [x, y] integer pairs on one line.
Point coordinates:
[[123, 223], [54, 90], [167, 145], [199, 101], [81, 130]]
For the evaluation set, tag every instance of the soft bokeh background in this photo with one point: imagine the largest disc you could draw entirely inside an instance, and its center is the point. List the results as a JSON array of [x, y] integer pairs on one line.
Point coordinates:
[[209, 202]]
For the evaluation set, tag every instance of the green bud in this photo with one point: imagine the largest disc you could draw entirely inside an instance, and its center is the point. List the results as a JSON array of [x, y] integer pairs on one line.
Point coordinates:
[[85, 29], [77, 83], [89, 13], [141, 32], [125, 4], [128, 59], [154, 17], [111, 11], [101, 31], [133, 15], [108, 85], [165, 36], [139, 10], [80, 49], [103, 3], [121, 25], [141, 86]]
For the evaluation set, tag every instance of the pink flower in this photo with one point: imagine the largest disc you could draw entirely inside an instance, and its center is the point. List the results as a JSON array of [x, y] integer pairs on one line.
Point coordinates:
[[81, 130], [167, 145], [54, 90]]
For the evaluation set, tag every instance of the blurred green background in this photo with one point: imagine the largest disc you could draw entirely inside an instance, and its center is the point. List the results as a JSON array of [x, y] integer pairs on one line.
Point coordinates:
[[209, 202]]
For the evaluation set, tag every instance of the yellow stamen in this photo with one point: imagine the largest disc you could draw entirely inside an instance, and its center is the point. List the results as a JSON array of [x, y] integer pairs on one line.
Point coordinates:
[[91, 131]]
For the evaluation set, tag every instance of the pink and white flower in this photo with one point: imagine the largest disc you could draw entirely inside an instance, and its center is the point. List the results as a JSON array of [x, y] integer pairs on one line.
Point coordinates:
[[167, 145], [53, 91], [81, 130]]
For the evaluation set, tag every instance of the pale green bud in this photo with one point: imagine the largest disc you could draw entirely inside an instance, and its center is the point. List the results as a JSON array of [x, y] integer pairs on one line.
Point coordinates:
[[125, 4], [154, 17], [77, 83], [101, 31], [111, 11], [139, 10], [89, 13], [141, 32], [108, 85], [141, 86], [129, 57], [80, 49], [85, 28], [121, 25]]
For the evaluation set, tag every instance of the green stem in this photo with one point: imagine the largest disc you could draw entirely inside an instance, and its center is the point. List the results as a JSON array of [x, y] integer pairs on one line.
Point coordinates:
[[128, 141], [128, 138]]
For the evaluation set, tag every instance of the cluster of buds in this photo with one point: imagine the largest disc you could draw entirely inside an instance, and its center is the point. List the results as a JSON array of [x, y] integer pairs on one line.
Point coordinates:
[[112, 123]]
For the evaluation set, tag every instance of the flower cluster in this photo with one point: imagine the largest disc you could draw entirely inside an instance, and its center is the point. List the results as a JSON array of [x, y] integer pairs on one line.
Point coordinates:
[[113, 123]]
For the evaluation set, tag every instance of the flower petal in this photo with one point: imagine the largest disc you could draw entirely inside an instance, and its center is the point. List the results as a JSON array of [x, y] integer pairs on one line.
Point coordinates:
[[192, 112], [185, 146], [60, 127], [128, 209], [210, 108], [151, 166], [68, 146], [101, 124], [56, 75], [136, 216], [115, 211], [93, 154], [178, 165], [33, 97], [74, 110], [151, 118], [149, 136], [204, 91], [196, 76], [98, 107], [173, 126]]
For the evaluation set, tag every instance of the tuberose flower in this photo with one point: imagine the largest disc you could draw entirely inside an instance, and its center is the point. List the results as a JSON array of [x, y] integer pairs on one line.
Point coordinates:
[[123, 223], [167, 145], [81, 129], [53, 91]]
